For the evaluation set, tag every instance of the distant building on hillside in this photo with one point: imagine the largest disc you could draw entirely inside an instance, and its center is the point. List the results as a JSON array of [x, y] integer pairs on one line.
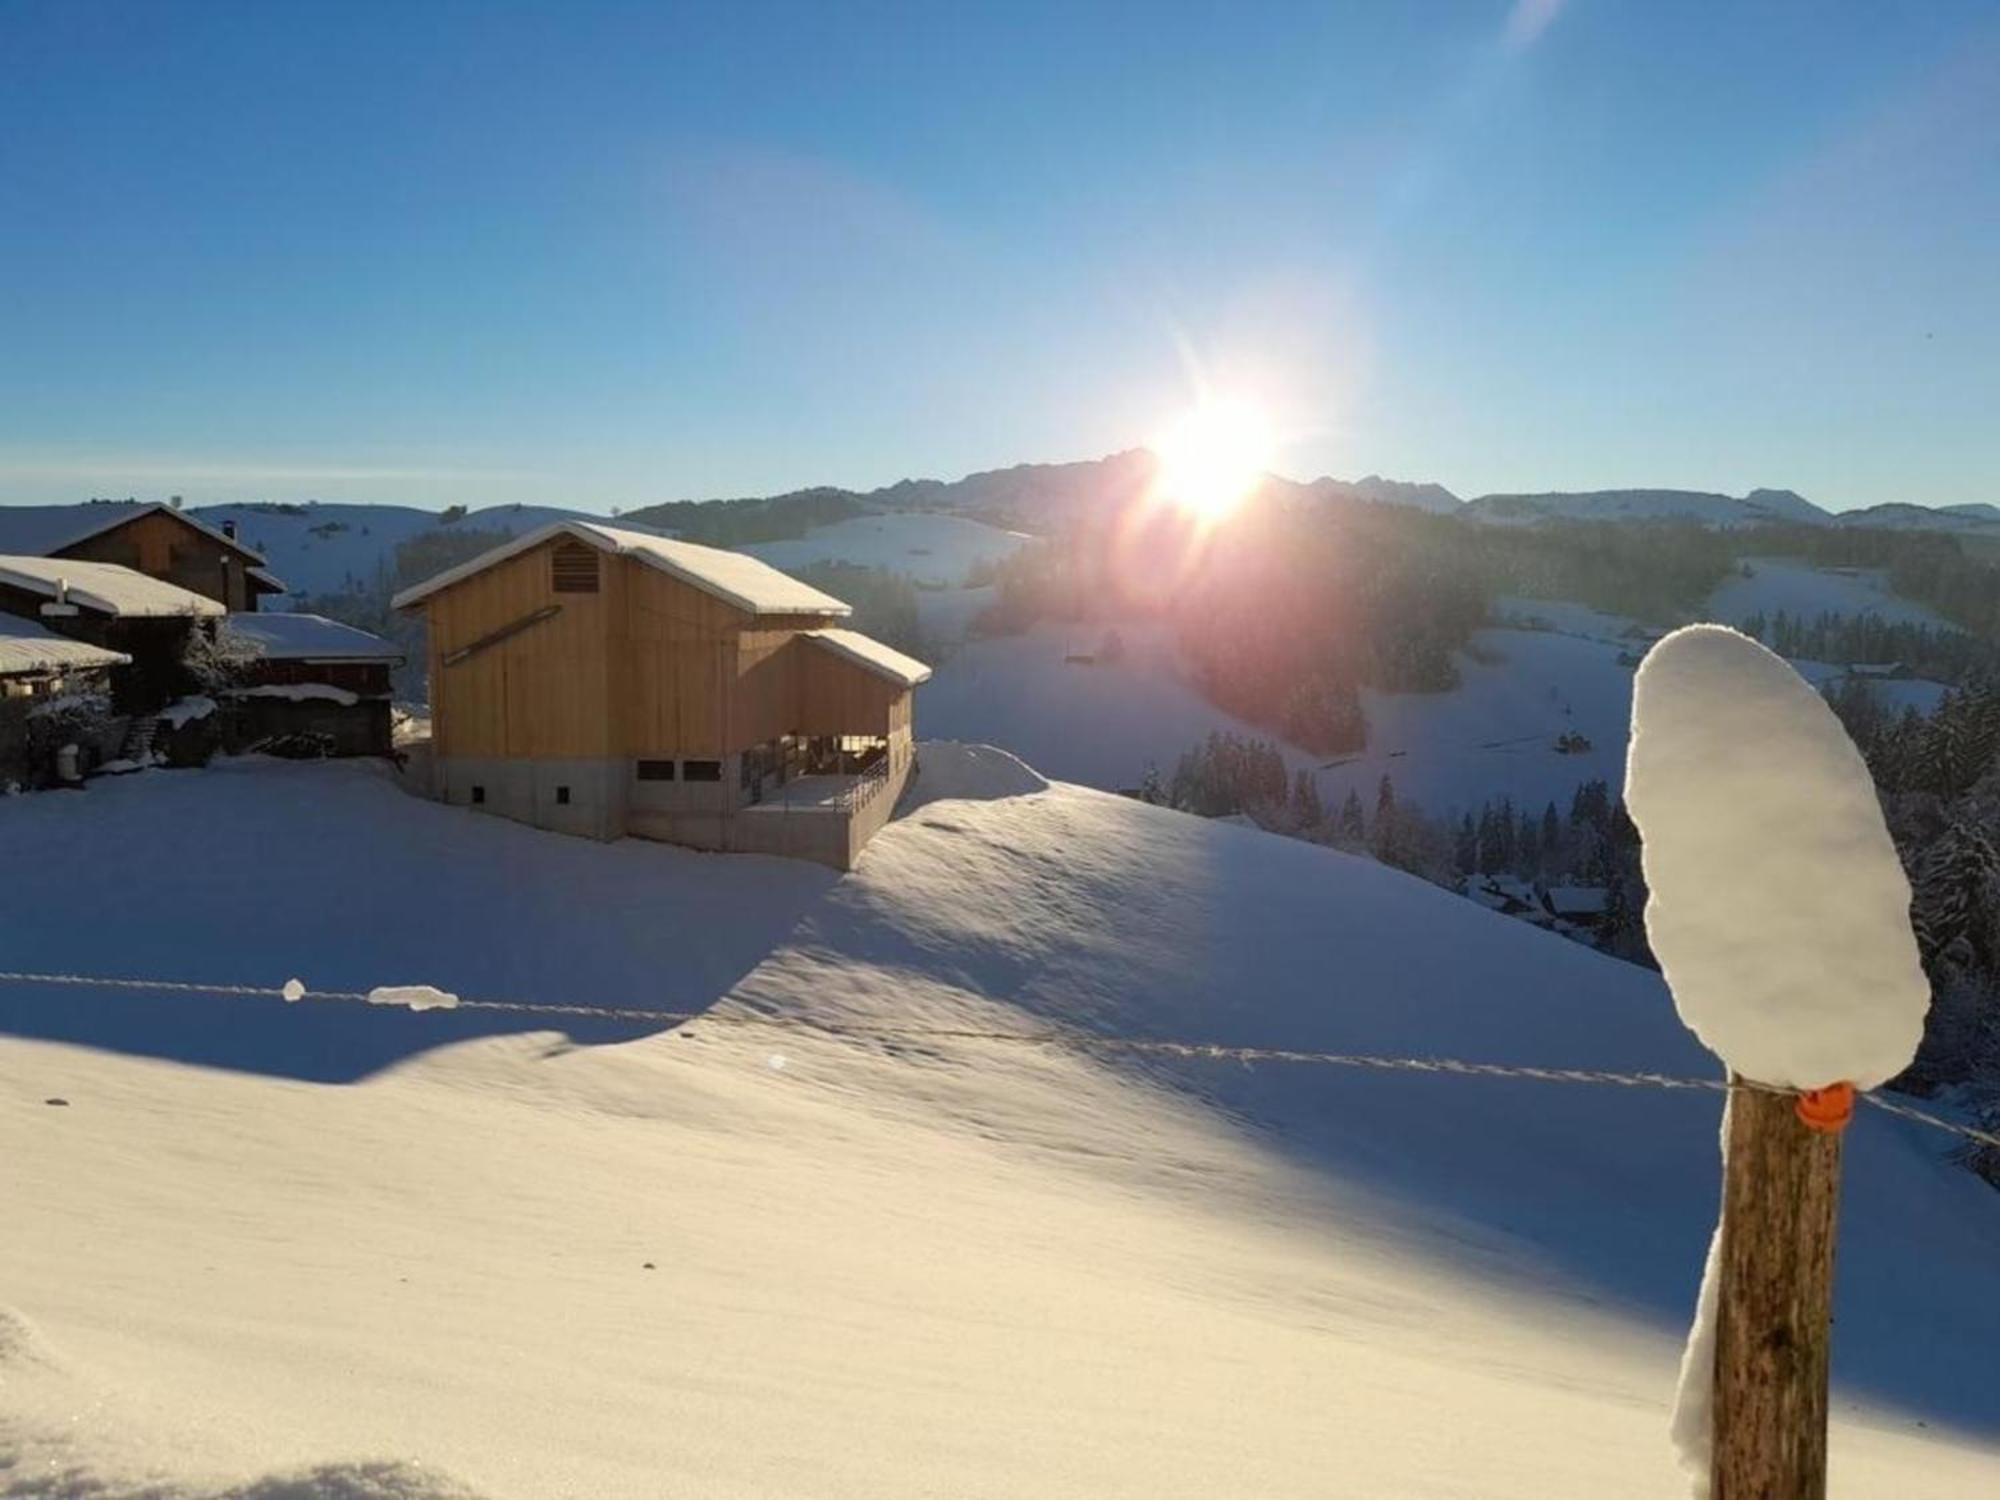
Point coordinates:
[[305, 678], [607, 682], [155, 540]]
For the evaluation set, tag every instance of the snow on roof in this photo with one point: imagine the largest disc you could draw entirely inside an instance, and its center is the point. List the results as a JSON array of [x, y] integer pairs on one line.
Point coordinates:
[[1579, 900], [301, 637], [28, 646], [269, 579], [752, 586], [37, 530], [869, 653], [105, 587]]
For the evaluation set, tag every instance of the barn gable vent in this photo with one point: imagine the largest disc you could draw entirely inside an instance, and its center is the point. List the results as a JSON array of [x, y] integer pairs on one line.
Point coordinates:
[[575, 568]]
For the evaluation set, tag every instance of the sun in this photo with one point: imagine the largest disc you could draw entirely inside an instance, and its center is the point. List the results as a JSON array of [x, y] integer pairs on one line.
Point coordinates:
[[1212, 457]]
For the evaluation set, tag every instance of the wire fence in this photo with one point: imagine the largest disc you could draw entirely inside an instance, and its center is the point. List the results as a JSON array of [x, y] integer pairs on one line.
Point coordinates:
[[1053, 1037]]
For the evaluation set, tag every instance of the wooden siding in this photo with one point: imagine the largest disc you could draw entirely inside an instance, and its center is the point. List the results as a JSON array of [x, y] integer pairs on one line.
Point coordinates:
[[545, 692], [162, 545], [838, 697], [648, 667]]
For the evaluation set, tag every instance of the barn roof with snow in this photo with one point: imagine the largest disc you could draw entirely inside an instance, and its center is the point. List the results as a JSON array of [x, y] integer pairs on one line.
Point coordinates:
[[749, 584], [106, 588], [27, 646], [308, 638], [866, 652]]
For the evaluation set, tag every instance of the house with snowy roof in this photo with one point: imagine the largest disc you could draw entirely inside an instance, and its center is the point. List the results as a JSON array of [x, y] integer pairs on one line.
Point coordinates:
[[156, 540], [606, 682], [145, 620], [306, 677]]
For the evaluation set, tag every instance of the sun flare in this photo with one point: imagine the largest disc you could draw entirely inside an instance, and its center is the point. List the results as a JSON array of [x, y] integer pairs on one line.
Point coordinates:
[[1212, 457]]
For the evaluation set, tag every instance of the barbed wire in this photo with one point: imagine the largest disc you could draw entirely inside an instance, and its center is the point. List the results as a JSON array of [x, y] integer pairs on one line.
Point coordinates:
[[1067, 1038]]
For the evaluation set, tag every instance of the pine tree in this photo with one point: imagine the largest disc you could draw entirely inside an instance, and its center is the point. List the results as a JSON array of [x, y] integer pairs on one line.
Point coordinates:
[[1353, 825], [1308, 812], [1386, 841], [1465, 848]]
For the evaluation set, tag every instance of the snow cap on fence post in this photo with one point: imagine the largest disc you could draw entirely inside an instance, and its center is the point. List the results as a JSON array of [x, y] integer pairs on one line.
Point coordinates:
[[1777, 906]]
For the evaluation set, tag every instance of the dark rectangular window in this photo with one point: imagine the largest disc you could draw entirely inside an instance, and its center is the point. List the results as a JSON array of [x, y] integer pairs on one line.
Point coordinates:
[[562, 796], [656, 770], [478, 795], [574, 568], [701, 770]]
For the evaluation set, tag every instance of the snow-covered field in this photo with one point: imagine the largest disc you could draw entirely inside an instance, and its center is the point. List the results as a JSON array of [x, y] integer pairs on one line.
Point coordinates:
[[269, 1250], [1495, 734], [927, 549], [1099, 722], [1798, 588]]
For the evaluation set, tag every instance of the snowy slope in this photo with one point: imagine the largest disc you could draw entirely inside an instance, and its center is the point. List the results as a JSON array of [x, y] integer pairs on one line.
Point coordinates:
[[325, 548], [347, 1248], [1798, 588], [1494, 734], [927, 549], [1648, 505], [1100, 722]]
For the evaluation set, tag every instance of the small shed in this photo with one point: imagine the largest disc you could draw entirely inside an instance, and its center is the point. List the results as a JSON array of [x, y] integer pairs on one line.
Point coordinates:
[[311, 678]]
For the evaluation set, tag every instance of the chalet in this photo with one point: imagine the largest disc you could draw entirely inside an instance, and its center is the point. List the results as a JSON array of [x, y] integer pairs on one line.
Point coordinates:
[[305, 677], [607, 682], [143, 619], [156, 540], [35, 662]]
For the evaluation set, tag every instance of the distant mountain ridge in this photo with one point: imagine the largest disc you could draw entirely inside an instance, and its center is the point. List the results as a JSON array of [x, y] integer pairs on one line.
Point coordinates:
[[326, 547], [1632, 505]]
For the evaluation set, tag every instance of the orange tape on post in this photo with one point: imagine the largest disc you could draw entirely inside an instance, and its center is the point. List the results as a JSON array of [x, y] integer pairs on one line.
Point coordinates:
[[1828, 1109]]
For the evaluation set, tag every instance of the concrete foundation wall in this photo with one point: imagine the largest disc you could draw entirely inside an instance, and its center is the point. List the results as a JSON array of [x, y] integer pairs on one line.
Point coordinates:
[[532, 791], [606, 801]]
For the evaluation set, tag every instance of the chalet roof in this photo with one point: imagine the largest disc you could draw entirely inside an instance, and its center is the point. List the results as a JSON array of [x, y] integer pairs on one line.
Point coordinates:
[[38, 530], [310, 638], [29, 646], [106, 588], [867, 652], [733, 577], [1579, 900]]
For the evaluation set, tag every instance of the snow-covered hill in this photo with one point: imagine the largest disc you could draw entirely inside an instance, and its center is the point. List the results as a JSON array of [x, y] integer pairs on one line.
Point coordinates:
[[931, 550], [1648, 505], [342, 1252], [327, 548], [1798, 588]]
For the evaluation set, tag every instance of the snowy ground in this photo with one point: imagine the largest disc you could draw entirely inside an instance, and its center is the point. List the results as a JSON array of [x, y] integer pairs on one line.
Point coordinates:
[[1100, 722], [1495, 734], [926, 549], [1798, 588], [311, 1250]]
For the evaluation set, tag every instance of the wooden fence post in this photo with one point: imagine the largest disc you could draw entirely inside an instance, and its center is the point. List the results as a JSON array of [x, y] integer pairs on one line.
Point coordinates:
[[1780, 1192]]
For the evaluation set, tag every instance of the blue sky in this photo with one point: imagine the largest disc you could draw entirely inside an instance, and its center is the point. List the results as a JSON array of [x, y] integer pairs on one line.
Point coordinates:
[[608, 255]]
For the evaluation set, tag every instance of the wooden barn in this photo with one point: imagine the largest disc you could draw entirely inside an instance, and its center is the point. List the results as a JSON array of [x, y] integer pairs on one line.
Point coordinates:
[[608, 682], [156, 540]]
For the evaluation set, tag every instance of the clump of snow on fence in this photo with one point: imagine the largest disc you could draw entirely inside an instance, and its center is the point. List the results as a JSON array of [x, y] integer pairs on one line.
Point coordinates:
[[415, 996], [1777, 906], [1778, 909], [294, 990]]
